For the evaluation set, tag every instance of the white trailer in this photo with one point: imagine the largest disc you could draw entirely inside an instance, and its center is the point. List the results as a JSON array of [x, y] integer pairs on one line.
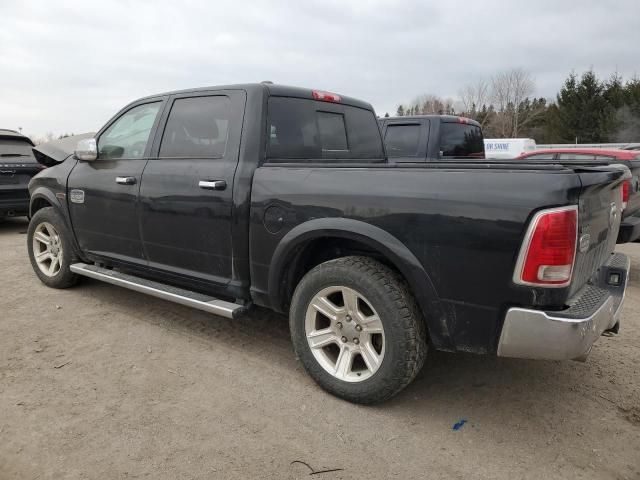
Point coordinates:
[[505, 148]]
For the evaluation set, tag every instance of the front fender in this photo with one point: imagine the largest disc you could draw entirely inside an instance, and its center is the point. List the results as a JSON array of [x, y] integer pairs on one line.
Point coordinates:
[[377, 239]]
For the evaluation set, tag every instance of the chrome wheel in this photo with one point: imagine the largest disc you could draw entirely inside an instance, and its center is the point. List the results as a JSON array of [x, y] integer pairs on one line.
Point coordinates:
[[47, 249], [345, 334]]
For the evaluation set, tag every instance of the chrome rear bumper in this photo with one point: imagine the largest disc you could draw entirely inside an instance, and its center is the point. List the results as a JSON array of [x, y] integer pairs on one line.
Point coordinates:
[[570, 333]]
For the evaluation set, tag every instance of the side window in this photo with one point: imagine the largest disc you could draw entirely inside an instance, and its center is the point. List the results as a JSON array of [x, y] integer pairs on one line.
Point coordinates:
[[575, 156], [127, 137], [605, 158], [402, 140], [197, 127]]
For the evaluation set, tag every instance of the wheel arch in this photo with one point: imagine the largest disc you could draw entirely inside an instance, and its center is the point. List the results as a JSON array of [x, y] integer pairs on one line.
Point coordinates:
[[42, 198], [319, 240]]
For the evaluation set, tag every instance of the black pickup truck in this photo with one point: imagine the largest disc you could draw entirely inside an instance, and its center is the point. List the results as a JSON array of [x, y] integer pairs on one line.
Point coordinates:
[[427, 138], [227, 197], [17, 167]]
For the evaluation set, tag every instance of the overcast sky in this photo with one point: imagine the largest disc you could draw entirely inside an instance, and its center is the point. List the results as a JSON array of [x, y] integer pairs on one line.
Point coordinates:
[[67, 66]]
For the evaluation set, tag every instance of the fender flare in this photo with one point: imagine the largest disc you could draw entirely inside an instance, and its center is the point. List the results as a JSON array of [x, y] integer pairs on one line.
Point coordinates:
[[376, 238], [43, 193]]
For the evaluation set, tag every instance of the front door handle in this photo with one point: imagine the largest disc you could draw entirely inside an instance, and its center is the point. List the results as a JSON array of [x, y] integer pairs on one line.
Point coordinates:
[[212, 184], [126, 180]]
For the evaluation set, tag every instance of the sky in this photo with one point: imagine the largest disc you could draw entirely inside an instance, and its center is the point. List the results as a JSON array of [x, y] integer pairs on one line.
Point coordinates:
[[68, 66]]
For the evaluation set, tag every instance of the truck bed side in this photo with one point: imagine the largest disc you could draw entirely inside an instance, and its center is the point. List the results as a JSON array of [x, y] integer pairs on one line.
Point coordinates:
[[462, 224]]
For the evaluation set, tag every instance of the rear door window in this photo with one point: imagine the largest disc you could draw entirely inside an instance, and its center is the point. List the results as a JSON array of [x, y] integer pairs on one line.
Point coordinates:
[[304, 129], [461, 140], [402, 140], [197, 127]]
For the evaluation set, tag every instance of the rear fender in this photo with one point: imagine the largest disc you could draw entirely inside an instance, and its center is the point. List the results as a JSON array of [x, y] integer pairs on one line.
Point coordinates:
[[377, 239]]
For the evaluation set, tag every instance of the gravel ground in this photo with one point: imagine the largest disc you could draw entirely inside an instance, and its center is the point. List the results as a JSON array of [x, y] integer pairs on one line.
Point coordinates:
[[99, 382]]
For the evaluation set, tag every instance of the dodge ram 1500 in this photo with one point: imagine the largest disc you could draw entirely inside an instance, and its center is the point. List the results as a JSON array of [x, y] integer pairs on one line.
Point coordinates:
[[226, 197]]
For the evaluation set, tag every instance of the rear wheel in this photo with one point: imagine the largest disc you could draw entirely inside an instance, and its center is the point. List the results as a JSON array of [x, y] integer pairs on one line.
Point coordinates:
[[357, 329], [50, 249]]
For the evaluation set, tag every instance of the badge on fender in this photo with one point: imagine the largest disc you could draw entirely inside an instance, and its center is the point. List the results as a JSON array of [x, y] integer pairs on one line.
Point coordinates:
[[76, 196]]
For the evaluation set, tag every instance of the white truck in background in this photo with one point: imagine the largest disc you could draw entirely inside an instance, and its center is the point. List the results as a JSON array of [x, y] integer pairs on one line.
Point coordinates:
[[506, 148]]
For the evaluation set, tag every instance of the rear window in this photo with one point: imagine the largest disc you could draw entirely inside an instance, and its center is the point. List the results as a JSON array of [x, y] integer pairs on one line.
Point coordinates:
[[307, 130], [10, 147], [402, 140], [461, 140]]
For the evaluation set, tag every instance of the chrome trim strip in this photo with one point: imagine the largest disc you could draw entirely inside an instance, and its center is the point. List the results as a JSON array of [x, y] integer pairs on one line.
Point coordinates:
[[215, 306]]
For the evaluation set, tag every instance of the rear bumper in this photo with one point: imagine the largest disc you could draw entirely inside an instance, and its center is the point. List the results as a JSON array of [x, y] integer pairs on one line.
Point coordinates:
[[15, 207], [629, 230], [570, 333]]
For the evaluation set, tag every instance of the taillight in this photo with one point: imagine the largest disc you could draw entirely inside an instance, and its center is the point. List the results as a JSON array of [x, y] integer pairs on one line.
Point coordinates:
[[626, 188], [325, 96], [549, 249]]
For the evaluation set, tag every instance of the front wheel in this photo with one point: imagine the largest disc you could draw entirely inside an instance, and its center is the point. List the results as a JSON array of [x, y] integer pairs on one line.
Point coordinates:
[[50, 249], [357, 329]]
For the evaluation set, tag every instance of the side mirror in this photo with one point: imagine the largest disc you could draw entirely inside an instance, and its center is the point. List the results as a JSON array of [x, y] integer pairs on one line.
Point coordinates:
[[86, 150]]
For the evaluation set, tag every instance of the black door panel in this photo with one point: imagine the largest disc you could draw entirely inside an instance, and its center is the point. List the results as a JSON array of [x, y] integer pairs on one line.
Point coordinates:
[[188, 186], [106, 222], [103, 194]]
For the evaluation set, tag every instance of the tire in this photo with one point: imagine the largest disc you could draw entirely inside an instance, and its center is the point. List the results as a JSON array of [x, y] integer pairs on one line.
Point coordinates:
[[52, 268], [391, 343]]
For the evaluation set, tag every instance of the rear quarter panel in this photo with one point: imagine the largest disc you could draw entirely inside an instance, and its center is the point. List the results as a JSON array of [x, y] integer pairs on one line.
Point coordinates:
[[463, 225]]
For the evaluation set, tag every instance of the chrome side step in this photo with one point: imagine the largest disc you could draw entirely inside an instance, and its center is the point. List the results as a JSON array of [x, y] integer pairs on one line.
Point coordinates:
[[159, 290]]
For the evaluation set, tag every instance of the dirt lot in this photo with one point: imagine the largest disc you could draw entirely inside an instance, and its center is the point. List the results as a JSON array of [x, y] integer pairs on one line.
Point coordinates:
[[99, 382]]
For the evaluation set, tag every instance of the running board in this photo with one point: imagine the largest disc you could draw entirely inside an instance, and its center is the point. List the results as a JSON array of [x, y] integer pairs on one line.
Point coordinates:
[[159, 290]]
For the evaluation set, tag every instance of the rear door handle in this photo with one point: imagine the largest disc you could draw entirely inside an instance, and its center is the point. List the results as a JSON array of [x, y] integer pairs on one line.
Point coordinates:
[[126, 180], [212, 184]]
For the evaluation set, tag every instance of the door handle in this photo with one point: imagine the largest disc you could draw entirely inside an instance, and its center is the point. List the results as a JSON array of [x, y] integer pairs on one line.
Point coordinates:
[[126, 180], [212, 184]]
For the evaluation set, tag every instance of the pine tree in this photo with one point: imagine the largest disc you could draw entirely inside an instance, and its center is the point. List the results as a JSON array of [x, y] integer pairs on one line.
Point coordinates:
[[400, 111], [582, 112]]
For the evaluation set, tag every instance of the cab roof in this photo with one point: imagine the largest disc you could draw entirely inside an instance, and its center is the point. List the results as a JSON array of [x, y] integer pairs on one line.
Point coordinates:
[[270, 89], [444, 118]]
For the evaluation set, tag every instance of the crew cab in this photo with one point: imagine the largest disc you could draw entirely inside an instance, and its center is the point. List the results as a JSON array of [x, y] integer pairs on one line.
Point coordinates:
[[17, 167], [223, 198], [630, 227]]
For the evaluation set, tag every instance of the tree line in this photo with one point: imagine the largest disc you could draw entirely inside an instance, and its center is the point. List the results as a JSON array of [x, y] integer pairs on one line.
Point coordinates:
[[586, 109]]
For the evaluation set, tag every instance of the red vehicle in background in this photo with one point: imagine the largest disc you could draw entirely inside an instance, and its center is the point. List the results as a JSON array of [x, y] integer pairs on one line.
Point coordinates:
[[630, 227]]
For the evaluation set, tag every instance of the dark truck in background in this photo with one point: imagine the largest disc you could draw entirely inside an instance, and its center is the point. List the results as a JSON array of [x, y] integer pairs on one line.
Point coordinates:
[[17, 167], [429, 138], [223, 198], [432, 137]]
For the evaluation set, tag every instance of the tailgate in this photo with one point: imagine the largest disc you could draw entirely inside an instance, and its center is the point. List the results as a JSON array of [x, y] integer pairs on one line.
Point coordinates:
[[600, 212]]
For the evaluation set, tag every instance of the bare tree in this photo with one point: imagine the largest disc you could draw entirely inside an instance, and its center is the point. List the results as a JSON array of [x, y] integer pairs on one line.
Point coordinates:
[[508, 90], [473, 97]]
